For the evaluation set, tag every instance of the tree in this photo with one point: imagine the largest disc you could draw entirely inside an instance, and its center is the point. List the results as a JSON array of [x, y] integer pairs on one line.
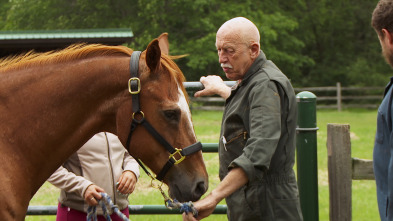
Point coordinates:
[[340, 40], [314, 42], [4, 7], [64, 14], [191, 26]]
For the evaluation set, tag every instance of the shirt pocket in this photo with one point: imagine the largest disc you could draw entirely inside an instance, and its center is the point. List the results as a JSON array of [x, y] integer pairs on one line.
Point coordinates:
[[231, 147], [235, 143], [244, 204]]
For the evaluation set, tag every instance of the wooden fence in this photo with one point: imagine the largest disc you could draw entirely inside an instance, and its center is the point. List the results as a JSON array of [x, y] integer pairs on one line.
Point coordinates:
[[342, 169], [329, 97]]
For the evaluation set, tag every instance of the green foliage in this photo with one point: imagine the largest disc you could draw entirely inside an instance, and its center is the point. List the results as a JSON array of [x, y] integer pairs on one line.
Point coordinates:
[[314, 42], [63, 14], [4, 7], [339, 38]]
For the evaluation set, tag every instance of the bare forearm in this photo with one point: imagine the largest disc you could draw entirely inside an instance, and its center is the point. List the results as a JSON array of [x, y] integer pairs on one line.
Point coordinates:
[[224, 91], [235, 179]]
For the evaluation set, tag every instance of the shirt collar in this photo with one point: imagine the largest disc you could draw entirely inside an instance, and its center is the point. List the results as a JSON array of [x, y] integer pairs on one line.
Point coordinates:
[[255, 66]]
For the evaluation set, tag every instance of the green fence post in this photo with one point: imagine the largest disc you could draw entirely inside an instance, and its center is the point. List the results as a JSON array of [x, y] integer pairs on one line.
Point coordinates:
[[306, 155]]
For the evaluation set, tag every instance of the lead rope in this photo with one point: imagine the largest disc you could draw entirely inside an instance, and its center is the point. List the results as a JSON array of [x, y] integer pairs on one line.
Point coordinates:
[[92, 210], [169, 203], [184, 207]]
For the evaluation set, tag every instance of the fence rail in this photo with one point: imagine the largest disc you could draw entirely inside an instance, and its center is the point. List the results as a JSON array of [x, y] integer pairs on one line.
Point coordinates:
[[328, 97], [134, 210], [346, 97]]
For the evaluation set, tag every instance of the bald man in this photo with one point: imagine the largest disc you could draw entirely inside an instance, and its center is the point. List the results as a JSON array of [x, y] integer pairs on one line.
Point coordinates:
[[257, 139]]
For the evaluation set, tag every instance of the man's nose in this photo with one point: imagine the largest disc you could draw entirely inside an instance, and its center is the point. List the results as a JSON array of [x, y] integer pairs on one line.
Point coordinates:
[[222, 58]]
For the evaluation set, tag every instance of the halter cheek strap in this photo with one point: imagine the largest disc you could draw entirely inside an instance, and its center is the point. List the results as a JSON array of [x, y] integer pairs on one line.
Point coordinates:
[[138, 118]]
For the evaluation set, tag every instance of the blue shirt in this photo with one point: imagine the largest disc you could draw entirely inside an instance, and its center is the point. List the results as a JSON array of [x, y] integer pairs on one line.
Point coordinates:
[[382, 156]]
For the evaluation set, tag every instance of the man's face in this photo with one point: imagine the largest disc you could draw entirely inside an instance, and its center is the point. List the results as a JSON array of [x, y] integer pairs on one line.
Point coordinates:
[[386, 51], [234, 55]]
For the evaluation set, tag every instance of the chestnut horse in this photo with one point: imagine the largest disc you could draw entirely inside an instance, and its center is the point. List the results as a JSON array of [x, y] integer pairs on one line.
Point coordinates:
[[52, 103]]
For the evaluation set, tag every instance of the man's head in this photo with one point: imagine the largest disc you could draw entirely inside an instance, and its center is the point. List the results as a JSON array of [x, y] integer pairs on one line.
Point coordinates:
[[382, 22], [237, 43]]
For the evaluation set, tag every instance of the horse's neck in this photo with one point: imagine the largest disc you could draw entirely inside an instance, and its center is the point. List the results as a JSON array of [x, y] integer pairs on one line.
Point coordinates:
[[61, 103]]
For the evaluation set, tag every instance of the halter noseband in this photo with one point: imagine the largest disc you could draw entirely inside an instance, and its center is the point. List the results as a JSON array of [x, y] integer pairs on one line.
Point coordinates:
[[138, 118]]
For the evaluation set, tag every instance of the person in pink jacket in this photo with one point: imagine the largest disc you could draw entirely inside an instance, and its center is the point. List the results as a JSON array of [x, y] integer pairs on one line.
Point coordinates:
[[102, 164]]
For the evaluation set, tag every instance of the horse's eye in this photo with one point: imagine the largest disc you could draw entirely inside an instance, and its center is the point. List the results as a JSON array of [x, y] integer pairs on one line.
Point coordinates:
[[172, 115]]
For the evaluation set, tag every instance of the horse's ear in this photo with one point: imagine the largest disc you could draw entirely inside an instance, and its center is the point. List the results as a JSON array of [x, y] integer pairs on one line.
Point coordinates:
[[164, 43], [153, 55]]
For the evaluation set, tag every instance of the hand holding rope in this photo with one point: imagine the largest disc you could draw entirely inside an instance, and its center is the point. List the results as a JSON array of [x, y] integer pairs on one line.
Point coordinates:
[[106, 200], [173, 204]]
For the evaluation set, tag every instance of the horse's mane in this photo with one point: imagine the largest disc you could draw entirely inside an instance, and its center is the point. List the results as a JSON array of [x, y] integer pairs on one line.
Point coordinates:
[[73, 52], [167, 61], [175, 71], [81, 51]]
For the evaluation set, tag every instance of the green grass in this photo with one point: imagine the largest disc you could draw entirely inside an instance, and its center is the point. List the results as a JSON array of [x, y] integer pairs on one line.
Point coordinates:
[[207, 126], [362, 128]]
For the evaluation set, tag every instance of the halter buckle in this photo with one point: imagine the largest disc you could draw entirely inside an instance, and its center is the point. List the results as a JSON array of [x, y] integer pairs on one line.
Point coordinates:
[[178, 151], [138, 82]]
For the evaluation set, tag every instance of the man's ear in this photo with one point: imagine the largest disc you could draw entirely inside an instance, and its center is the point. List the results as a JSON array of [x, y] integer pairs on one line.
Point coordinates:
[[386, 34], [255, 48]]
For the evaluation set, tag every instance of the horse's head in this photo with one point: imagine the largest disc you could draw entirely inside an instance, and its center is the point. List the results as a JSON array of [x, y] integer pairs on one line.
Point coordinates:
[[163, 104]]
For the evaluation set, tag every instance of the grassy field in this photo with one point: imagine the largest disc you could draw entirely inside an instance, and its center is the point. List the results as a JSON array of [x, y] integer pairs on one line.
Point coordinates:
[[207, 125]]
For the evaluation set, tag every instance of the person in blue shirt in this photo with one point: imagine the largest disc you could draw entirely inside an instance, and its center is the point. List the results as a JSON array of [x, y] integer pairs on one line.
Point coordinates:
[[382, 22]]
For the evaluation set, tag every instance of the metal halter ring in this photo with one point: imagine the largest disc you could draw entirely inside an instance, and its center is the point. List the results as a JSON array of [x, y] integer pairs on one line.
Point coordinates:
[[178, 151], [139, 120]]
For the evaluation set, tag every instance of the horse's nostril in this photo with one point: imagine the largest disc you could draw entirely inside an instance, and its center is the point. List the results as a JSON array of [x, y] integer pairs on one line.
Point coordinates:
[[200, 189]]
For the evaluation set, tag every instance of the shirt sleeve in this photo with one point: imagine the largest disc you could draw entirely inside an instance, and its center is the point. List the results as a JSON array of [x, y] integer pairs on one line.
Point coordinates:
[[265, 130], [69, 182], [129, 163]]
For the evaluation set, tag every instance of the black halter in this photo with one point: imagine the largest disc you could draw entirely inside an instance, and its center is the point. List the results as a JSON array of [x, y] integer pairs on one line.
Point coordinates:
[[138, 118]]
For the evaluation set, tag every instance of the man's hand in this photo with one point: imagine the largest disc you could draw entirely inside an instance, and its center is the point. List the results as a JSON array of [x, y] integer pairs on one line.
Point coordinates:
[[213, 85], [235, 179], [205, 207], [127, 182], [92, 194]]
